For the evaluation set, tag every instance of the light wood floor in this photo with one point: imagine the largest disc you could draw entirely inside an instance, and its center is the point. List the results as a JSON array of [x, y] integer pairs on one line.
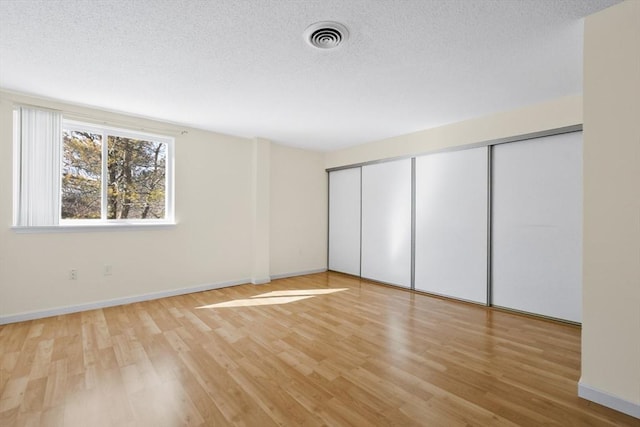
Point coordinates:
[[325, 349]]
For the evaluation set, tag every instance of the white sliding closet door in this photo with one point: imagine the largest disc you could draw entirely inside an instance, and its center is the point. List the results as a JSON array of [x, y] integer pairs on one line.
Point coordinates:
[[537, 226], [386, 222], [344, 221], [451, 224]]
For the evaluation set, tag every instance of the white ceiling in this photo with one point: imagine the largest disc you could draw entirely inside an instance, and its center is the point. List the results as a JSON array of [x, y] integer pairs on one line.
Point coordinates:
[[242, 67]]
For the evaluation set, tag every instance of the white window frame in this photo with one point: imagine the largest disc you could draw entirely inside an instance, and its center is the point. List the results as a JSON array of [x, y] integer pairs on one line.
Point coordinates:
[[103, 223], [106, 131]]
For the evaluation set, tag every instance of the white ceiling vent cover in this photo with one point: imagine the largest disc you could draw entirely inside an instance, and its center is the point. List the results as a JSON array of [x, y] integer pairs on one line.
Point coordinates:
[[326, 34]]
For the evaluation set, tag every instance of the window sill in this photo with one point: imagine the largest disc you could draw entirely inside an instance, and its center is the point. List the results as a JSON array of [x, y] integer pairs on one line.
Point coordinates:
[[84, 228]]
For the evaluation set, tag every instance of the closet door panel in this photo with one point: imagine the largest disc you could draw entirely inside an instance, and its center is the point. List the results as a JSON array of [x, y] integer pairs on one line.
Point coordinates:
[[344, 221], [386, 222], [537, 226], [451, 224]]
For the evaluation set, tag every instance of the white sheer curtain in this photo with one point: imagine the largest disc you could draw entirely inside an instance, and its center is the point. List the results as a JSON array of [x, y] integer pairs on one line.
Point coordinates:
[[38, 186]]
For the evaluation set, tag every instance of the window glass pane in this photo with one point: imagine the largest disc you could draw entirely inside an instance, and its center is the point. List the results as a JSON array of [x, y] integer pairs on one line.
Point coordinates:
[[81, 175], [136, 178]]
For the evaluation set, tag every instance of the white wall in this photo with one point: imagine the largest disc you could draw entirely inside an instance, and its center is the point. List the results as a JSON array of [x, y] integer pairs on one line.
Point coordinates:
[[611, 251], [298, 211], [212, 244]]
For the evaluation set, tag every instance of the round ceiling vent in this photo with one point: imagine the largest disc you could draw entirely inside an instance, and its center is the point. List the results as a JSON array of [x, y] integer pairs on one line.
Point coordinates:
[[326, 35]]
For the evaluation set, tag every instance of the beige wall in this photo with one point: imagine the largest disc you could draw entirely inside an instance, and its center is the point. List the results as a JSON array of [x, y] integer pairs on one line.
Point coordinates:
[[554, 114], [212, 244], [611, 305], [260, 194], [298, 211]]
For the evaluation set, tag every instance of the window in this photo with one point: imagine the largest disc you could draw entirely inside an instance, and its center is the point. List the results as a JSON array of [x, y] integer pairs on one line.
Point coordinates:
[[73, 173]]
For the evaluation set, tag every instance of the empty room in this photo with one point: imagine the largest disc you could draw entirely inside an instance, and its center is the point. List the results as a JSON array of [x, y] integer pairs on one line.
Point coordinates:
[[323, 213]]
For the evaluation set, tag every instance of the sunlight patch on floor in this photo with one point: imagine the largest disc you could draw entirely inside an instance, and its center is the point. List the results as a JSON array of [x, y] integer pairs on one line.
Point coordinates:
[[274, 298]]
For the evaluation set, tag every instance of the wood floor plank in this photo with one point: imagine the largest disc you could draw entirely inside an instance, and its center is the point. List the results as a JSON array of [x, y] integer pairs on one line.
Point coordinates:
[[320, 350]]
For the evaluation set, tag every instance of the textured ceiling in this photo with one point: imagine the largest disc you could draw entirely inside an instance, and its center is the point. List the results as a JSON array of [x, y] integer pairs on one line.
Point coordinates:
[[242, 67]]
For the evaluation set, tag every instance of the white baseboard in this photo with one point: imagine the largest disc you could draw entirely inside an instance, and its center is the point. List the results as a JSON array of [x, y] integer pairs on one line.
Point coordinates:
[[298, 273], [40, 314], [605, 399]]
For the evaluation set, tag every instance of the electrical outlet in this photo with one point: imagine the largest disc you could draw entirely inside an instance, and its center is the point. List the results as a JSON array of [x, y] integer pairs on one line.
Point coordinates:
[[73, 274], [107, 270]]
